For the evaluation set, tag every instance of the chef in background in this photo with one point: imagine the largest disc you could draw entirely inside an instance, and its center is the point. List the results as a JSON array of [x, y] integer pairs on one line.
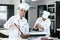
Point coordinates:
[[43, 23], [17, 24]]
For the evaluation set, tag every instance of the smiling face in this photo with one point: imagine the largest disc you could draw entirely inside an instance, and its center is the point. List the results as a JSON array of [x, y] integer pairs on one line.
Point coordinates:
[[22, 12], [43, 19]]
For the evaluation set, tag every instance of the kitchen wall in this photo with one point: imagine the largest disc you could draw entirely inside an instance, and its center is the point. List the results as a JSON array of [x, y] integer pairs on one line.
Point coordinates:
[[4, 2], [33, 13], [15, 2]]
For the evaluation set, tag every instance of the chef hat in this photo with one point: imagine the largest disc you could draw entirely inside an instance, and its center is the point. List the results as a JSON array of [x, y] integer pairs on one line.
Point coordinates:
[[24, 5], [45, 14]]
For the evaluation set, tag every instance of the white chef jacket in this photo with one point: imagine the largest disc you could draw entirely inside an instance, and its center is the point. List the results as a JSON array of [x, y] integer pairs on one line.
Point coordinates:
[[24, 27], [45, 24]]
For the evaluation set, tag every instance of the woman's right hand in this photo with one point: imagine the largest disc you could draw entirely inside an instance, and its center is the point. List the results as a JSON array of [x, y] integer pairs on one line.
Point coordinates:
[[24, 36], [15, 25], [12, 25], [38, 26]]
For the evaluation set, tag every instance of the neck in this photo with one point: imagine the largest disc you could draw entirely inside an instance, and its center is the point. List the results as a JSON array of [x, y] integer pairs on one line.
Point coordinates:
[[20, 17], [43, 19]]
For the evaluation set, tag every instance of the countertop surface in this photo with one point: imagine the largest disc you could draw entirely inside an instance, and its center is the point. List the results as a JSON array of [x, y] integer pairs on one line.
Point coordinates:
[[35, 38], [5, 31], [58, 29]]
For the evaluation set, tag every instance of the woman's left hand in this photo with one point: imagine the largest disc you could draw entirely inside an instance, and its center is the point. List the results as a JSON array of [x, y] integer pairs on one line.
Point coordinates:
[[24, 36]]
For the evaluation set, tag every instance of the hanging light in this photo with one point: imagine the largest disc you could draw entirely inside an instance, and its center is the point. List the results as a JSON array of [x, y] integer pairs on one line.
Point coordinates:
[[34, 0]]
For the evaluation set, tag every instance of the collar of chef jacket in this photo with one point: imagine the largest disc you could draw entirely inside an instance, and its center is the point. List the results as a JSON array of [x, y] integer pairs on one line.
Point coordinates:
[[22, 22]]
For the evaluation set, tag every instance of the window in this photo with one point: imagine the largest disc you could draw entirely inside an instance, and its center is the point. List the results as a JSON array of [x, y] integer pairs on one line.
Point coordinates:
[[3, 14], [40, 10], [6, 11]]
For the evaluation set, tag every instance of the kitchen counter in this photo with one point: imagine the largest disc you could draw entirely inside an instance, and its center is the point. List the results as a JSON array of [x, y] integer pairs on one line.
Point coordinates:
[[32, 33], [58, 32], [5, 31], [37, 33], [58, 29], [37, 38]]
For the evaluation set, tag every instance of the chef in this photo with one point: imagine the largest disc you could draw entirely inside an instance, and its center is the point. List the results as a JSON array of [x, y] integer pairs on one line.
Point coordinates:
[[43, 23], [17, 24]]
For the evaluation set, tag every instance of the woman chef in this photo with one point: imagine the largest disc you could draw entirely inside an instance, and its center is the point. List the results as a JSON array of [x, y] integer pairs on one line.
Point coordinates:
[[43, 23], [17, 24]]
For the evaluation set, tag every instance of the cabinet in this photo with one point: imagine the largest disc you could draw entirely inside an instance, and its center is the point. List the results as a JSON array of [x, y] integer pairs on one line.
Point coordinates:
[[6, 11], [54, 9], [58, 17], [40, 10], [51, 7]]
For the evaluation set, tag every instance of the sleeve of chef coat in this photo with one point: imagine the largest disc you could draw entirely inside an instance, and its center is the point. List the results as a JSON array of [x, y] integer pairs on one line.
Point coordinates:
[[7, 24], [48, 23], [48, 27], [37, 21], [27, 27]]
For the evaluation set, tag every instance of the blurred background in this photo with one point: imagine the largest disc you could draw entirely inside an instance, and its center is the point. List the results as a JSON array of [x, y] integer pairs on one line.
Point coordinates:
[[9, 8]]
